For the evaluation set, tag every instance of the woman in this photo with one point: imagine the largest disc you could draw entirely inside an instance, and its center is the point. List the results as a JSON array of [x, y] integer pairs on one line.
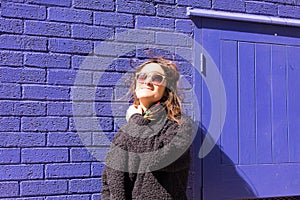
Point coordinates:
[[149, 157]]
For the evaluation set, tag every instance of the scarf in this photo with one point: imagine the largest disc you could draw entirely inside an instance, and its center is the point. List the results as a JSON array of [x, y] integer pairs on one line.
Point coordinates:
[[155, 111]]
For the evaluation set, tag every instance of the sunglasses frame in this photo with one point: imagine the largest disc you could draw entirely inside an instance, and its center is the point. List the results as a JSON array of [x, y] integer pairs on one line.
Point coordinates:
[[149, 76]]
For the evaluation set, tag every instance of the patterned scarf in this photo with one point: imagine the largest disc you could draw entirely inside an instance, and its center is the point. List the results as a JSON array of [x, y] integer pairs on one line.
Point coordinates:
[[155, 111]]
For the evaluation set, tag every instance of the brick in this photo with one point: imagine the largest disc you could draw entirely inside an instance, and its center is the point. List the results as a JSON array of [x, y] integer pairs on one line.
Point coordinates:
[[171, 11], [10, 91], [91, 154], [104, 5], [9, 124], [9, 189], [102, 139], [154, 51], [155, 23], [184, 26], [9, 156], [59, 109], [47, 60], [9, 58], [173, 39], [48, 187], [108, 79], [89, 94], [262, 8], [123, 65], [95, 63], [70, 46], [44, 155], [114, 19], [85, 185], [136, 7], [66, 3], [69, 139], [136, 36], [195, 3], [92, 124], [70, 170], [289, 11], [6, 108], [14, 108], [183, 53], [23, 11], [13, 139], [70, 197], [111, 109], [96, 197], [286, 2], [30, 108], [21, 172], [91, 32], [17, 1], [18, 75], [44, 124], [46, 92], [11, 26], [83, 109], [232, 5], [97, 168], [70, 15], [165, 1], [62, 77], [27, 198], [186, 82], [32, 76], [16, 42], [185, 68], [116, 49], [47, 29]]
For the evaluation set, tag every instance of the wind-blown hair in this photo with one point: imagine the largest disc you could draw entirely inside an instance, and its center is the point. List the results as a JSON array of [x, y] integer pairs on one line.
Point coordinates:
[[171, 99]]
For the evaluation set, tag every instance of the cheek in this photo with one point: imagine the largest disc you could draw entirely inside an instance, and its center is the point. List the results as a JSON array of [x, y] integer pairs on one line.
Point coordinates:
[[161, 92]]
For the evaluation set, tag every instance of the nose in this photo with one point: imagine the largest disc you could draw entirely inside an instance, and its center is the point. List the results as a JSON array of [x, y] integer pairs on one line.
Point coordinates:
[[148, 80]]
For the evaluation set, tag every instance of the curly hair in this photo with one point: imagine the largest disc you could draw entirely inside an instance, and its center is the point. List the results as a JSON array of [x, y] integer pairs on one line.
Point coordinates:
[[171, 99]]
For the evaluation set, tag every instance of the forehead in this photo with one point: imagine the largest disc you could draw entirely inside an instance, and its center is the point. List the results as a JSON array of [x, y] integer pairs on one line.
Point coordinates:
[[153, 67]]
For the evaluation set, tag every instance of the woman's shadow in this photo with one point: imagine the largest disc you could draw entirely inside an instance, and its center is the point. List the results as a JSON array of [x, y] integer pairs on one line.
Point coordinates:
[[210, 179]]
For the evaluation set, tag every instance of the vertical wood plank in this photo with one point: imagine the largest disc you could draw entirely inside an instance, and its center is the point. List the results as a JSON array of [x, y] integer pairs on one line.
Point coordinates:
[[263, 103], [228, 69], [293, 60], [247, 144], [279, 105]]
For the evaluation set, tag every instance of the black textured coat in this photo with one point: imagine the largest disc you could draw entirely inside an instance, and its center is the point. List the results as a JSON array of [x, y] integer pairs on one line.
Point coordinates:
[[148, 160]]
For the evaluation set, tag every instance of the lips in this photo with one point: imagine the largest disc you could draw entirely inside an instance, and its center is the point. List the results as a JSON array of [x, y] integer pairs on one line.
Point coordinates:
[[147, 88]]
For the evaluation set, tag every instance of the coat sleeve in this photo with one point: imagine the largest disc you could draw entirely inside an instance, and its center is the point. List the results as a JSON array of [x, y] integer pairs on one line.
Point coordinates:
[[105, 193], [114, 174]]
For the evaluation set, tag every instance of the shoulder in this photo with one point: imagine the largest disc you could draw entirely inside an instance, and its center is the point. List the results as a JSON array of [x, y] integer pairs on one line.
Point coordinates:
[[183, 121]]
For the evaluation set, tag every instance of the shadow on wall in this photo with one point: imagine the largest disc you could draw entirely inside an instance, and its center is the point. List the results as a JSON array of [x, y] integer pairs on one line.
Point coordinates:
[[210, 179]]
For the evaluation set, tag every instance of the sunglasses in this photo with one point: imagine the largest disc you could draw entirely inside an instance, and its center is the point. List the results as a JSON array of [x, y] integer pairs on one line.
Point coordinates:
[[154, 78]]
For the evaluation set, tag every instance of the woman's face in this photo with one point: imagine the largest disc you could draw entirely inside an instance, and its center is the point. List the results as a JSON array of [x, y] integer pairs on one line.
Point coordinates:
[[147, 91]]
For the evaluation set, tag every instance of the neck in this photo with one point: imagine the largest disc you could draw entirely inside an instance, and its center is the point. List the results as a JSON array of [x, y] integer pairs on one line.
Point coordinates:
[[144, 105]]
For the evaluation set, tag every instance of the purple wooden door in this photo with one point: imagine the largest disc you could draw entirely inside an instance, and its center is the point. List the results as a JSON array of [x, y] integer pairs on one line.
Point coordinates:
[[258, 152]]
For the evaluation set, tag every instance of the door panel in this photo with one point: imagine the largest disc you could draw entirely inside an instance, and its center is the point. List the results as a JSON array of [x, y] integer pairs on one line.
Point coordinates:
[[258, 153]]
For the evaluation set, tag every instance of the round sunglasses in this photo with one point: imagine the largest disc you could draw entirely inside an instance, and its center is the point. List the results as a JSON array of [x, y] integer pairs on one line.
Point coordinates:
[[154, 78]]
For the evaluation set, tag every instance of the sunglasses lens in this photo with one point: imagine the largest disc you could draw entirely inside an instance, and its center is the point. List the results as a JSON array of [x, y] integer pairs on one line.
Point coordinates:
[[141, 77], [157, 79]]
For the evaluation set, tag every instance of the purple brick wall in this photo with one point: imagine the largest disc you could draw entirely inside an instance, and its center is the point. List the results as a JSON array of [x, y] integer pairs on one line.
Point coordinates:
[[63, 63]]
